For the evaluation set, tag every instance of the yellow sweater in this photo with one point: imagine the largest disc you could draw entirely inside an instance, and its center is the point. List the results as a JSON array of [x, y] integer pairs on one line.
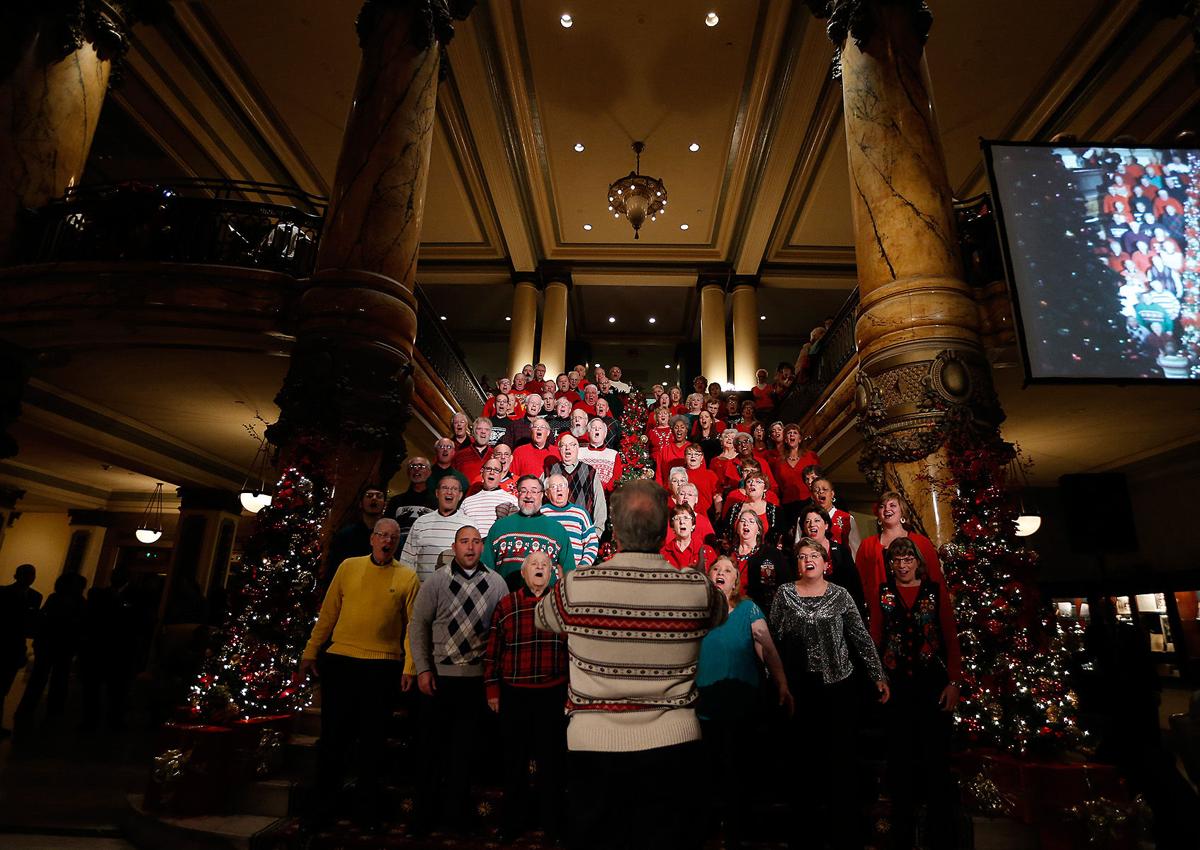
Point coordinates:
[[367, 609]]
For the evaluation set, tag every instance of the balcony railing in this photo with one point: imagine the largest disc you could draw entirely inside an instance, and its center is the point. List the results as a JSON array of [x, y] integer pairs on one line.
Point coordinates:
[[830, 354], [213, 222], [436, 345]]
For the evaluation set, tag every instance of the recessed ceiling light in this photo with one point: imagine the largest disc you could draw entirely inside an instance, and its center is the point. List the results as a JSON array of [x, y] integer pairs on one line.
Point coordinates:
[[587, 227], [579, 147], [666, 365], [508, 318], [710, 20], [763, 318], [683, 227], [443, 318], [653, 320], [612, 319], [694, 146], [567, 21], [597, 365]]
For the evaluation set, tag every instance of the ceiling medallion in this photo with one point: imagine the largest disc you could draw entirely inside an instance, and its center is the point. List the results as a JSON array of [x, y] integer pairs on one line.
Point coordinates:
[[637, 196]]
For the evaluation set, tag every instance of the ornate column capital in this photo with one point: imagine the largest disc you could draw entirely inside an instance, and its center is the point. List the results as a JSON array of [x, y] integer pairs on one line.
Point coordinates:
[[738, 281], [432, 21], [719, 277], [858, 20]]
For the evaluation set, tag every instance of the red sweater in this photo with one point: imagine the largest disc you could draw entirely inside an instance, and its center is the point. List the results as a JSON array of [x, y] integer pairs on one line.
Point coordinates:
[[689, 557], [470, 460], [871, 568], [707, 486], [530, 460], [791, 479], [668, 454]]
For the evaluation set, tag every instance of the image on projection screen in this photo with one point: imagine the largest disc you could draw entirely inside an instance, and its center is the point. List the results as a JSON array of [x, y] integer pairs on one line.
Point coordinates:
[[1103, 248]]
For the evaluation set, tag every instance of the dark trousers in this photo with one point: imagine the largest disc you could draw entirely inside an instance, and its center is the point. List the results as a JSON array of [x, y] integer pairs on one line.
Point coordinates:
[[918, 740], [640, 800], [357, 696], [533, 725], [455, 728], [730, 713], [823, 788], [48, 667]]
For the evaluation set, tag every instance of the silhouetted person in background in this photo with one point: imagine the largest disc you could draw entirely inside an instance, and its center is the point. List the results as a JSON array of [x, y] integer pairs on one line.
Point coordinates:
[[19, 604], [112, 652], [55, 642], [1124, 696]]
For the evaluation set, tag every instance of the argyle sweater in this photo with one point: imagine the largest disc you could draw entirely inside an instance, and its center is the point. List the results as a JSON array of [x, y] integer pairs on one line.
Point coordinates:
[[435, 609], [516, 535], [634, 625], [585, 540]]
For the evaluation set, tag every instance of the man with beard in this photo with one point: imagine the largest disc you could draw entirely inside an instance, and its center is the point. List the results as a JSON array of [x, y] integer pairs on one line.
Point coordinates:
[[586, 489], [579, 423], [516, 535], [367, 611], [433, 533], [451, 619]]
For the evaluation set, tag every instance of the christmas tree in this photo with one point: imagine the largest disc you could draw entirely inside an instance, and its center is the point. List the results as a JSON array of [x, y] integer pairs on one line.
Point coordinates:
[[273, 600], [1078, 329], [1014, 694], [635, 445]]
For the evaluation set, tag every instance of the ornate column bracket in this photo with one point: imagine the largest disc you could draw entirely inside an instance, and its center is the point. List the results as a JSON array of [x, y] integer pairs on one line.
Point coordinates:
[[855, 19], [908, 406]]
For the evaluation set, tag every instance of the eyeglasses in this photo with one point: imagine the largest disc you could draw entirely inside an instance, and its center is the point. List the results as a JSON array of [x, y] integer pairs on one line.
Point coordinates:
[[418, 466], [904, 559], [385, 535], [494, 469]]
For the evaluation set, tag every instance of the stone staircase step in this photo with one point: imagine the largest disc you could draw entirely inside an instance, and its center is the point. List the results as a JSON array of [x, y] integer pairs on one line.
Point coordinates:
[[266, 797], [151, 830]]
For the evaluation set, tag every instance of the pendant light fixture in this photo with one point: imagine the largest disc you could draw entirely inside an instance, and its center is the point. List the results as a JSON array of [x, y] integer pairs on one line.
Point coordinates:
[[149, 530], [253, 496], [637, 196], [1029, 518]]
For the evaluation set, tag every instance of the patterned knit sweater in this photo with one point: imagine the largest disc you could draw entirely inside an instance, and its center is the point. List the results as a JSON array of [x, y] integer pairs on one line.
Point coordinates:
[[634, 626]]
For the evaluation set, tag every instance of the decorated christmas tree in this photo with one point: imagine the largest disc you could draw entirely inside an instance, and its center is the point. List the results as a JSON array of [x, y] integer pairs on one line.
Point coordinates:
[[635, 445], [1015, 694], [273, 600]]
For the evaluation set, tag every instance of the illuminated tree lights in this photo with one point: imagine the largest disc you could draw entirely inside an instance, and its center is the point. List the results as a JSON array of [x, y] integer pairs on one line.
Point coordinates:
[[273, 600], [1015, 694]]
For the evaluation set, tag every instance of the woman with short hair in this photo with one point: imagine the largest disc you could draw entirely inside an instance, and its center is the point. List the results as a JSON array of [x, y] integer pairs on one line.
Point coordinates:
[[817, 628], [893, 525], [913, 625]]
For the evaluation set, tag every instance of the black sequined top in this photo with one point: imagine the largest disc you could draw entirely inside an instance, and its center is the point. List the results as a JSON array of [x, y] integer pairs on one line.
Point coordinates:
[[814, 634]]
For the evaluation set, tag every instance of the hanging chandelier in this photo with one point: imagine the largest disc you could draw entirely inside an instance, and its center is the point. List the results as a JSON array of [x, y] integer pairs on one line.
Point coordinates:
[[150, 528], [637, 196]]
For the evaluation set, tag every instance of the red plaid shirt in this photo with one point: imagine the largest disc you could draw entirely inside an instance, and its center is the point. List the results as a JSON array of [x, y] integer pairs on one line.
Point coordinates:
[[518, 654]]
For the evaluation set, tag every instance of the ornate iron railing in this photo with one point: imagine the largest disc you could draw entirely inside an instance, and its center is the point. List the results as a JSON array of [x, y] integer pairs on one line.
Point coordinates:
[[438, 347], [827, 357], [213, 222]]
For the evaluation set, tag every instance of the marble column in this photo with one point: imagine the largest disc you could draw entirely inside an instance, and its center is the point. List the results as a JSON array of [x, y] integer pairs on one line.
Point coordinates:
[[350, 377], [552, 347], [713, 360], [51, 92], [920, 354], [745, 331], [522, 329]]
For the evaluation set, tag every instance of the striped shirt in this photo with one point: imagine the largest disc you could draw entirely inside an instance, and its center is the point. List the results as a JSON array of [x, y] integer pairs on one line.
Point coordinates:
[[431, 535], [481, 507], [585, 540], [634, 626]]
